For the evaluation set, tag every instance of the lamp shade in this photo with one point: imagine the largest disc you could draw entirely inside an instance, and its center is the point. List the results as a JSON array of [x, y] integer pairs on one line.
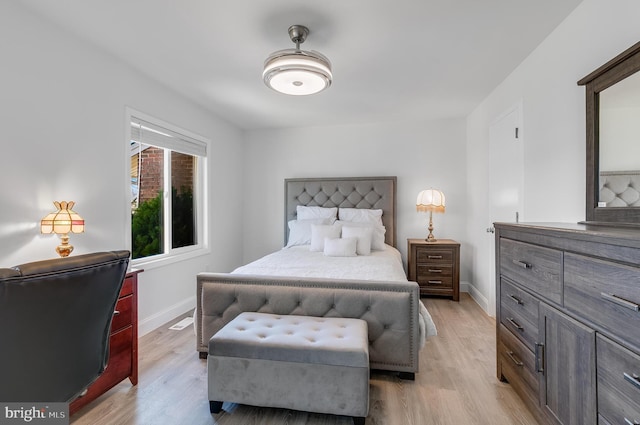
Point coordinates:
[[62, 221], [430, 200]]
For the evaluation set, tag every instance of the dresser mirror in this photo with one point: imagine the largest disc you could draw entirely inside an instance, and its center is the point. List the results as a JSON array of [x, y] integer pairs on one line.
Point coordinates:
[[613, 140]]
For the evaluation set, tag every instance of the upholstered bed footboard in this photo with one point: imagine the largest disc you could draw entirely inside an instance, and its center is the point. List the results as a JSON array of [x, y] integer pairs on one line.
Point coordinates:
[[389, 308]]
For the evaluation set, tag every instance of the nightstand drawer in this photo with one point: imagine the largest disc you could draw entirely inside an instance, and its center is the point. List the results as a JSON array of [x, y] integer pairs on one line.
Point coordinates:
[[618, 382], [534, 267], [428, 255], [434, 271], [435, 282]]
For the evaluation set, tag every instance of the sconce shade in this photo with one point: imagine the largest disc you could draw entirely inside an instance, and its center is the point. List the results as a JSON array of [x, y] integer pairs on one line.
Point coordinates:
[[62, 221], [430, 200]]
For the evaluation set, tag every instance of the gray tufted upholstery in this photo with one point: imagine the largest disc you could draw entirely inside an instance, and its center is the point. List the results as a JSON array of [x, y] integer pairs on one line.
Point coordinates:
[[304, 363], [356, 192], [620, 188], [390, 309]]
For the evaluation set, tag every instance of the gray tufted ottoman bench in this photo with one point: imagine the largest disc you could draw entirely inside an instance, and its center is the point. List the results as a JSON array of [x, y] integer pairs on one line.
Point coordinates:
[[313, 364]]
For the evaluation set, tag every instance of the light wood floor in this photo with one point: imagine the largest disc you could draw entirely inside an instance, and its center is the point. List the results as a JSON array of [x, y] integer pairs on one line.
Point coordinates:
[[456, 383]]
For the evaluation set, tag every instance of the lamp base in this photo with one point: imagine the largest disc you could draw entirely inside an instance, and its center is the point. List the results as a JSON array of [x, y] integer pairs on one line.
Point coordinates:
[[64, 249], [431, 238]]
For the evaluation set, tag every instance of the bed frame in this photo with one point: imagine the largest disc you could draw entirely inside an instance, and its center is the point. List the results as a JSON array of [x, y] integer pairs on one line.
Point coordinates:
[[389, 308]]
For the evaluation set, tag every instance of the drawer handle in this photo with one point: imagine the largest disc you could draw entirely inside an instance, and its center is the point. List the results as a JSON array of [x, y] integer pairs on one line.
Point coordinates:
[[628, 422], [516, 324], [435, 271], [514, 360], [633, 379], [435, 282], [434, 257], [620, 301], [116, 312], [516, 299], [539, 348], [523, 264]]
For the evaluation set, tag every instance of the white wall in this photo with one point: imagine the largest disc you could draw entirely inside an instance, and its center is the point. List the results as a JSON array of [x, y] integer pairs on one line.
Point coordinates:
[[62, 115], [554, 121], [421, 154]]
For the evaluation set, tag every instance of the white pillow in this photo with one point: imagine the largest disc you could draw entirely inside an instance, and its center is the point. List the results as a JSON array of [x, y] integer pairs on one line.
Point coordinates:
[[377, 239], [345, 247], [310, 213], [300, 231], [362, 234], [360, 215], [321, 232]]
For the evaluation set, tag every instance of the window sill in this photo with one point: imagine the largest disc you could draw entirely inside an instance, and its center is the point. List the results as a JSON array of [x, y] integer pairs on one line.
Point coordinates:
[[163, 261]]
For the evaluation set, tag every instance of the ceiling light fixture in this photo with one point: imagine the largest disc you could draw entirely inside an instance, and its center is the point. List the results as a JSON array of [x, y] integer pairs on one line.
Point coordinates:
[[295, 71]]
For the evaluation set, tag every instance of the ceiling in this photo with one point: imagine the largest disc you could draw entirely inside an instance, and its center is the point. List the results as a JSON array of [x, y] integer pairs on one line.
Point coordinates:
[[392, 60]]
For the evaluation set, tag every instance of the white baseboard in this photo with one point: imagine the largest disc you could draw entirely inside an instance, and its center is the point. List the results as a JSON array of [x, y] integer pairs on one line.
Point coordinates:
[[148, 324], [477, 296]]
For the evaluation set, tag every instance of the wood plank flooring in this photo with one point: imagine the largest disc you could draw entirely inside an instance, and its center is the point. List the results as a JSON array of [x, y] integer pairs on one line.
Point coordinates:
[[456, 383]]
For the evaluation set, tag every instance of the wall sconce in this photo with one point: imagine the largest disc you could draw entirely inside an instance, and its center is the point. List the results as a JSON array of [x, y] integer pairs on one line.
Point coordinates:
[[62, 222], [431, 200]]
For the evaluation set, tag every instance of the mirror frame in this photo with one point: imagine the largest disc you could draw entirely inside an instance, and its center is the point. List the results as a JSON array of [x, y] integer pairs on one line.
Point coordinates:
[[625, 64]]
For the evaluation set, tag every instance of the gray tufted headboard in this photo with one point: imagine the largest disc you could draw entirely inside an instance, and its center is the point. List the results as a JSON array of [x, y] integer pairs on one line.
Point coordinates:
[[353, 192], [620, 188]]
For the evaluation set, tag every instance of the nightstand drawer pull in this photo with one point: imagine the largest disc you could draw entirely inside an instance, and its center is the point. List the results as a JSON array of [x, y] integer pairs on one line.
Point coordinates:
[[620, 301], [435, 282], [514, 360], [523, 264], [516, 324], [435, 270], [434, 257], [116, 312], [516, 299], [628, 422], [633, 379]]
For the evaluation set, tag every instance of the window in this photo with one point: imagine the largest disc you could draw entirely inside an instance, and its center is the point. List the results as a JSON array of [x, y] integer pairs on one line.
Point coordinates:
[[167, 196]]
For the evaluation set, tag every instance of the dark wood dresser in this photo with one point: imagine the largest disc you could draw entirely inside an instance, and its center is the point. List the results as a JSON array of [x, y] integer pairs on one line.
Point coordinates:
[[435, 266], [568, 320], [123, 345]]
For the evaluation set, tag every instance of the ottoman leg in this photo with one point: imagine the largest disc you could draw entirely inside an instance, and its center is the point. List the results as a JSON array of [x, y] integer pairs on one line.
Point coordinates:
[[358, 420], [216, 406]]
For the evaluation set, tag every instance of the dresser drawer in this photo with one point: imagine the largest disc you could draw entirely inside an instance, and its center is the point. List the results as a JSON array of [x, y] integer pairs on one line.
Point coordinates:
[[606, 293], [519, 313], [518, 365], [618, 388], [534, 267], [122, 316], [429, 255]]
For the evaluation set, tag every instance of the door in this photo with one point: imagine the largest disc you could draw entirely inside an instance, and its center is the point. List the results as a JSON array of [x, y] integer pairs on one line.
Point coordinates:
[[506, 178], [566, 362]]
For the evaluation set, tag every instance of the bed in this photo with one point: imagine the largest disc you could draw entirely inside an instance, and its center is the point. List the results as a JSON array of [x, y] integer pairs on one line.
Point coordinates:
[[320, 282], [619, 189]]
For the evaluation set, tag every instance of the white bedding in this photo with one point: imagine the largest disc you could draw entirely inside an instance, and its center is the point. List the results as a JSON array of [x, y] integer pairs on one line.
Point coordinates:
[[299, 261]]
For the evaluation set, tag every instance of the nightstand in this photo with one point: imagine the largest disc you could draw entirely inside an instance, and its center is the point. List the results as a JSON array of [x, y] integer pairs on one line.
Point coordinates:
[[435, 266]]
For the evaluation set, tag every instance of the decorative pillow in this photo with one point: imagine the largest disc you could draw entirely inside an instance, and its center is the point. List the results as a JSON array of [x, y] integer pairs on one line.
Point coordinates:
[[322, 232], [300, 231], [362, 234], [309, 213], [345, 247], [360, 215], [377, 238]]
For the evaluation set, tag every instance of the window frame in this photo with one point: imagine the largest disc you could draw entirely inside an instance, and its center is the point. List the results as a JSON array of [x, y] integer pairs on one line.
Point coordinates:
[[171, 255]]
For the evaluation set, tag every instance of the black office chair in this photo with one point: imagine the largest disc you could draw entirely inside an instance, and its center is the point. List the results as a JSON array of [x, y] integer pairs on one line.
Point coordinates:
[[55, 317]]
